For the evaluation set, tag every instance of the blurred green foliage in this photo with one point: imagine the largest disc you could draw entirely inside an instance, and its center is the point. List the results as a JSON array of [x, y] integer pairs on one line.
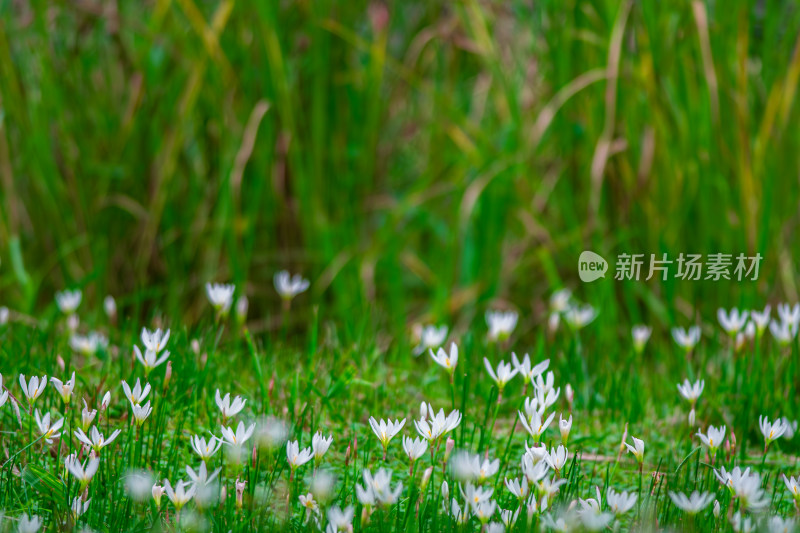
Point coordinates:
[[421, 160]]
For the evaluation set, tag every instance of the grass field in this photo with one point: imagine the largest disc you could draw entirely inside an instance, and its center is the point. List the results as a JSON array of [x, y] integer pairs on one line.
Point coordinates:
[[419, 163]]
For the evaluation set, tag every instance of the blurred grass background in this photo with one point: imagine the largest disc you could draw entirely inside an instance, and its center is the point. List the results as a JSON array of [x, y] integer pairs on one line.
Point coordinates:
[[416, 160]]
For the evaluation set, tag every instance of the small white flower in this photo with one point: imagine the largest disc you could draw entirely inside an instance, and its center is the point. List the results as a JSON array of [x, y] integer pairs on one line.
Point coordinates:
[[29, 525], [503, 375], [206, 449], [528, 372], [686, 339], [560, 300], [378, 488], [501, 324], [691, 391], [33, 388], [790, 314], [289, 286], [693, 504], [79, 506], [437, 425], [201, 478], [557, 458], [778, 524], [137, 394], [110, 306], [340, 519], [141, 412], [793, 485], [97, 441], [64, 389], [82, 472], [620, 502], [732, 321], [68, 301], [761, 319], [445, 360], [87, 416], [308, 502], [155, 341], [150, 359], [640, 334], [158, 491], [320, 445], [713, 438], [385, 430], [414, 448], [430, 337], [637, 449], [741, 524], [3, 392], [578, 317], [179, 496], [138, 484], [271, 433], [221, 296], [536, 425], [88, 344], [228, 408], [771, 431], [48, 431], [295, 456], [238, 437], [564, 426], [783, 332], [518, 488]]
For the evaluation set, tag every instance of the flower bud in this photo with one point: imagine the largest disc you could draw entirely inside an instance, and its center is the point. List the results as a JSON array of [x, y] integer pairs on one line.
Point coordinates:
[[223, 493], [552, 322], [716, 508], [167, 375], [106, 401], [239, 492], [448, 448], [73, 322], [423, 411], [445, 491], [426, 477], [570, 395], [110, 307], [60, 362], [692, 418], [195, 344]]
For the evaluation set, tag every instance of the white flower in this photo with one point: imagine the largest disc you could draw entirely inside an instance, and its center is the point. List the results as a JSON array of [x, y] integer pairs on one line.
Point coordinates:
[[110, 306], [742, 524], [790, 314], [289, 286], [201, 477], [308, 502], [501, 324], [138, 484], [560, 300], [295, 456], [88, 344], [150, 359], [732, 321], [378, 488], [637, 449], [82, 472], [320, 445], [68, 301], [784, 332], [693, 504], [87, 416], [528, 372], [578, 317], [564, 427], [79, 506], [777, 524], [414, 448], [242, 305], [29, 525], [518, 488], [475, 495], [793, 485], [691, 391], [771, 431], [620, 502], [155, 341], [536, 425], [205, 449], [791, 428], [437, 425], [221, 296], [137, 394], [484, 510], [48, 431], [106, 401], [271, 433], [158, 491], [64, 389], [386, 430], [97, 441], [503, 375], [33, 388], [3, 393], [557, 458], [686, 339], [641, 334], [761, 319], [445, 360], [179, 496], [238, 437], [744, 485], [4, 315], [340, 520], [141, 412], [713, 438], [228, 408], [430, 337]]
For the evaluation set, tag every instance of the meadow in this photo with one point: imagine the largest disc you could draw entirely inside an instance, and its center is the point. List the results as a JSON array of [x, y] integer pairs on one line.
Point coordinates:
[[429, 173]]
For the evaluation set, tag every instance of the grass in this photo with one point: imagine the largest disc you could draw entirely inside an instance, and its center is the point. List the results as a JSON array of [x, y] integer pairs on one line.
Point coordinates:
[[420, 162]]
